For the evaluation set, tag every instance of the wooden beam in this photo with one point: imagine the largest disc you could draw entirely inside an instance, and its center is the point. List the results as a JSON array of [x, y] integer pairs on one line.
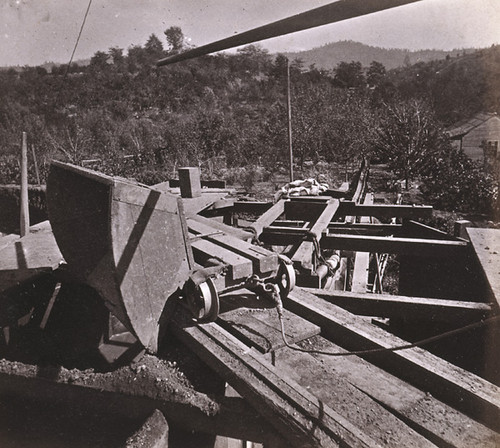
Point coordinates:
[[366, 228], [380, 244], [303, 255], [361, 269], [229, 230], [404, 307], [486, 246], [269, 216], [296, 414], [252, 207], [457, 387], [263, 260], [24, 216], [348, 208], [239, 267]]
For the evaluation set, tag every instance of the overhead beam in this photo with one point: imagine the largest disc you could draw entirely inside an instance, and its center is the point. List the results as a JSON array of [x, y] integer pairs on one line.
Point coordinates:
[[333, 12]]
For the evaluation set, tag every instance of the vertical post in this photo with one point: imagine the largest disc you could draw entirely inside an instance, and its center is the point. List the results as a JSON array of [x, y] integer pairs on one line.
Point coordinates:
[[289, 110], [36, 164], [24, 215], [189, 181]]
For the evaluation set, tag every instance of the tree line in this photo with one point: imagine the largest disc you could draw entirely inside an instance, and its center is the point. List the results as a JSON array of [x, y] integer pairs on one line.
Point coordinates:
[[124, 116]]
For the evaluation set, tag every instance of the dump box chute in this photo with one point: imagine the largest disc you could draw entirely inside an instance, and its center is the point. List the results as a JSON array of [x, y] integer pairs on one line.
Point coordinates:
[[124, 239]]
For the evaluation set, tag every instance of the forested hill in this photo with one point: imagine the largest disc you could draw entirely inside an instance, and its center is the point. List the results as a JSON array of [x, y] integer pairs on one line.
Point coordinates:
[[328, 56], [228, 111]]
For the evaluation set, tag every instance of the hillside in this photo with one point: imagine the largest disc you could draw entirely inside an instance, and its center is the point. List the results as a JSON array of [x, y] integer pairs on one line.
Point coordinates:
[[329, 56]]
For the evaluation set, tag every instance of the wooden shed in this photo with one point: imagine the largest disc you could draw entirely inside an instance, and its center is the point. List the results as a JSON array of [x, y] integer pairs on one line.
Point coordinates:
[[478, 136]]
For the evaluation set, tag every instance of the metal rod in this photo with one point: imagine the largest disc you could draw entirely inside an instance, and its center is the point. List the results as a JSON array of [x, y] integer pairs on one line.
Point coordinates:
[[24, 215], [289, 112], [333, 12]]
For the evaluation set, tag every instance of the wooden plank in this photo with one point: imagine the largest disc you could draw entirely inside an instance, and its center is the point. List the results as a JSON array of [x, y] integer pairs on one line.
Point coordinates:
[[467, 392], [336, 390], [268, 217], [257, 325], [348, 208], [239, 267], [410, 246], [486, 246], [361, 269], [395, 306], [25, 258], [189, 182], [438, 422], [263, 260], [230, 230], [296, 414], [303, 255]]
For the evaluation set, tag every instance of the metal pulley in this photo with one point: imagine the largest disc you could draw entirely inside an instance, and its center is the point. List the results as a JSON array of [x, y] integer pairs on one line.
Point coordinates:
[[285, 278], [201, 297]]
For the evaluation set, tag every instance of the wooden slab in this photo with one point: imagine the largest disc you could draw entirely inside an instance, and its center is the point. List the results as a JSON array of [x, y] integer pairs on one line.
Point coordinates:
[[436, 421], [25, 258], [457, 387], [486, 245], [248, 318], [296, 414], [336, 391]]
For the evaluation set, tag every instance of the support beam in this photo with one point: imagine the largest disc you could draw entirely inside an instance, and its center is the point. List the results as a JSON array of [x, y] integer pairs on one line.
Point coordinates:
[[304, 253], [403, 307], [410, 246], [486, 246], [348, 208], [268, 217], [457, 387]]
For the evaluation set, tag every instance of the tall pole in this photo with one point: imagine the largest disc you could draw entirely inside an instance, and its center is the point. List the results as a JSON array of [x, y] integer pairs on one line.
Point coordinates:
[[289, 110], [24, 224]]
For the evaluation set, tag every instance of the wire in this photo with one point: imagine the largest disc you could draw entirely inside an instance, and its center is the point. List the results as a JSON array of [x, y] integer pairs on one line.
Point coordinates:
[[78, 39], [390, 349]]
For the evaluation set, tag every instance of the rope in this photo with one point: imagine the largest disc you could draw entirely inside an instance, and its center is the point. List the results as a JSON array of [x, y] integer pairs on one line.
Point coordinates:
[[390, 349]]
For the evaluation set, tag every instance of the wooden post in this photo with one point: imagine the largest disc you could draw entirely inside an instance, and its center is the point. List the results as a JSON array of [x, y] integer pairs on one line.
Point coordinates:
[[24, 215], [189, 181], [36, 164], [289, 111]]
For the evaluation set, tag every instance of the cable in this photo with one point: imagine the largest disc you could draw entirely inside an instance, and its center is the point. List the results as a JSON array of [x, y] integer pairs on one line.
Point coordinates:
[[380, 350], [78, 39]]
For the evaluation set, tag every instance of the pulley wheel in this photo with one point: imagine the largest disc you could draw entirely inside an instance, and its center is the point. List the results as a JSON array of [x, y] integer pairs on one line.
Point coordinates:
[[202, 300], [285, 278]]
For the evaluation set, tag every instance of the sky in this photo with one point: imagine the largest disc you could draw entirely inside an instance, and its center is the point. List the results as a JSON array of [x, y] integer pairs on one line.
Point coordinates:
[[36, 31]]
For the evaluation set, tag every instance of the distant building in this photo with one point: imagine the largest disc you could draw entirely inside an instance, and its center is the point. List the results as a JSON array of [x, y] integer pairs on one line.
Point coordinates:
[[478, 137]]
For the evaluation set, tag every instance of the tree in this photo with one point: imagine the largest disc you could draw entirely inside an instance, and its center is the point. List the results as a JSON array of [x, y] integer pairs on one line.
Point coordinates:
[[349, 74], [407, 137], [175, 38], [376, 74], [153, 46]]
